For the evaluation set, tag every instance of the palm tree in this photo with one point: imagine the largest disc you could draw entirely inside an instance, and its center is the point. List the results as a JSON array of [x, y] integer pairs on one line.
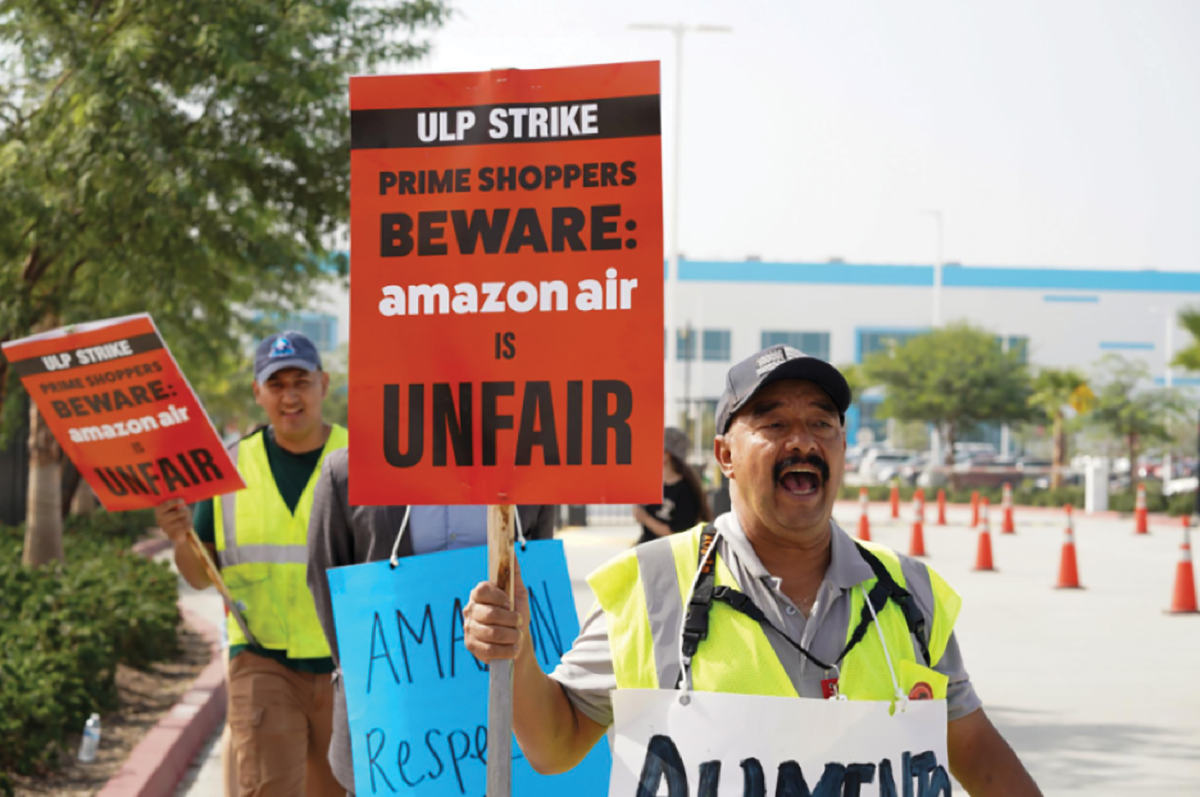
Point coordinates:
[[1054, 389], [1189, 358]]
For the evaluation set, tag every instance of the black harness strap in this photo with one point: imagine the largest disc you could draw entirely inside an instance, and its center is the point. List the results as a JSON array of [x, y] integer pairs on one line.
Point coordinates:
[[695, 625], [886, 589]]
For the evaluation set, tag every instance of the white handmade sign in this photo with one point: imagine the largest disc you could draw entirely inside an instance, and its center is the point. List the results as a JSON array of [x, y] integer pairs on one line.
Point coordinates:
[[672, 744]]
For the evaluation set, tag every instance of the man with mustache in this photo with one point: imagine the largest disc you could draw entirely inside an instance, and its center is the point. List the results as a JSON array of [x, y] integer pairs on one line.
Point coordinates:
[[280, 692], [781, 442]]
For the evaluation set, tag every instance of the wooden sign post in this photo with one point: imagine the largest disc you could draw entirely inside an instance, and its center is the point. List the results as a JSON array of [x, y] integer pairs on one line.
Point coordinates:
[[501, 563]]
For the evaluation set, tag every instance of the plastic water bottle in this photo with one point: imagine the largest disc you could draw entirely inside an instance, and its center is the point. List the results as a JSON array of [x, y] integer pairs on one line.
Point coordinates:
[[91, 739]]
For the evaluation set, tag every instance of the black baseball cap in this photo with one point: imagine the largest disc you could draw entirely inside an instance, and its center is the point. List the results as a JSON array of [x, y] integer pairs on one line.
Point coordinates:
[[285, 350], [770, 365]]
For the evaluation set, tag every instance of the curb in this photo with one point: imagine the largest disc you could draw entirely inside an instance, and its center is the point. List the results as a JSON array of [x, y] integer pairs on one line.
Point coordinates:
[[158, 763], [155, 767]]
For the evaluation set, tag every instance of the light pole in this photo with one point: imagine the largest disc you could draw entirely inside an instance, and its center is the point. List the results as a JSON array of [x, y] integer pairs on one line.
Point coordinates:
[[1004, 430], [678, 29], [935, 437], [1168, 383]]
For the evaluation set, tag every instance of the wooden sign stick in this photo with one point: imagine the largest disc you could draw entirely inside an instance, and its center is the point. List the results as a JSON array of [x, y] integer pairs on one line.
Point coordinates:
[[501, 562], [214, 575]]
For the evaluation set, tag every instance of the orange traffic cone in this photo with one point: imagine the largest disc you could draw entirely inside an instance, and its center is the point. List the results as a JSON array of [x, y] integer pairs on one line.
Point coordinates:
[[974, 508], [983, 553], [864, 522], [1184, 599], [895, 499], [985, 513], [941, 507], [1068, 568], [1141, 521], [916, 545], [1008, 527]]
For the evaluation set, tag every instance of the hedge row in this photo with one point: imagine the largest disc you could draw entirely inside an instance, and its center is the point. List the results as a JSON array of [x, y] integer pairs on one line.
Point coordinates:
[[64, 628], [1027, 495]]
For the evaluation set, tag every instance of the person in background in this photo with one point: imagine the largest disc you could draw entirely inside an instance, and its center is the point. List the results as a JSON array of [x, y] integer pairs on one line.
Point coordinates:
[[280, 694], [340, 534], [684, 503]]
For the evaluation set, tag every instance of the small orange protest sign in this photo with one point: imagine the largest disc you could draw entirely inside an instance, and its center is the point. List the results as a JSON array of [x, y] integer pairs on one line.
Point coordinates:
[[507, 292], [121, 409]]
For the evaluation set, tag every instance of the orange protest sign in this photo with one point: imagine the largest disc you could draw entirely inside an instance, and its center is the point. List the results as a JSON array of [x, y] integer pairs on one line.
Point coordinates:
[[506, 301], [121, 409]]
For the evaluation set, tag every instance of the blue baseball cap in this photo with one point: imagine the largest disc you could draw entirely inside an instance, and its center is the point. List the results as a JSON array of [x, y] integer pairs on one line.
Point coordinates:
[[285, 350]]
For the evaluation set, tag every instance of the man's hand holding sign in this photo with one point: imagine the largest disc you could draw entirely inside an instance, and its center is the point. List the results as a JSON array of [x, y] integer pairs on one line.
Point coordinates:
[[701, 641], [126, 416]]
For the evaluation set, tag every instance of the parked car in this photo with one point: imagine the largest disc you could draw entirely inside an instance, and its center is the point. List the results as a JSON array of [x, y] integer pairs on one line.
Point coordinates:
[[1187, 484], [882, 464], [912, 469]]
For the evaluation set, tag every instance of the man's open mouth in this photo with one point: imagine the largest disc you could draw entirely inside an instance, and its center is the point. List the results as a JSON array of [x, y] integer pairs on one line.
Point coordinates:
[[802, 476], [801, 482]]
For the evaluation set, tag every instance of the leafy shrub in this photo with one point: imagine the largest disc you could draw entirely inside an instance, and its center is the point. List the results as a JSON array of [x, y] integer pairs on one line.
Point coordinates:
[[64, 628]]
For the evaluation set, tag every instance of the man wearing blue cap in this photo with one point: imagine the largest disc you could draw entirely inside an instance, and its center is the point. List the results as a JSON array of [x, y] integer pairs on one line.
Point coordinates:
[[280, 696]]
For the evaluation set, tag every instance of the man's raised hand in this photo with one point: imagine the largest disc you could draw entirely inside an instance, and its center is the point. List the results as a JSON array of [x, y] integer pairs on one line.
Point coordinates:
[[174, 519]]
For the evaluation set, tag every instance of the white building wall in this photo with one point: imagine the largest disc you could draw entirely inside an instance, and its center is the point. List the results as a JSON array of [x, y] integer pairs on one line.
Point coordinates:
[[1101, 311], [1060, 333]]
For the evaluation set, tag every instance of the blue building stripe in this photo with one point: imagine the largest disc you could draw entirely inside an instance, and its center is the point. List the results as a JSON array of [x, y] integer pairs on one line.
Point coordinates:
[[1127, 345], [810, 273], [1050, 297], [952, 276]]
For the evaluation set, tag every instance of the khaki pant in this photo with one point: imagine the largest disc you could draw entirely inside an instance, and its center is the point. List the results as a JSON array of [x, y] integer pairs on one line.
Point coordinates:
[[281, 722]]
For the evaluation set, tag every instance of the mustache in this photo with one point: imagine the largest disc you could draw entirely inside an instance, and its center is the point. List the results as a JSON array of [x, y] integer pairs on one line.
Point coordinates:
[[812, 459]]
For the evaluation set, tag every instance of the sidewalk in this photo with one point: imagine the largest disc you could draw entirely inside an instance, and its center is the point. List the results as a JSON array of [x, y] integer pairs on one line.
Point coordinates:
[[203, 778]]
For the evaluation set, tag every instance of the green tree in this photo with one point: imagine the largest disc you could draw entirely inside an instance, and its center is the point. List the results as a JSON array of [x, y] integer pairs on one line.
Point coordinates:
[[1189, 357], [955, 377], [182, 157], [1054, 389], [1138, 416], [856, 378]]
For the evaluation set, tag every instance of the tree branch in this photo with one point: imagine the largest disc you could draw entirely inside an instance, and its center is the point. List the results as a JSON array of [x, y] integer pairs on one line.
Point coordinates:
[[35, 266]]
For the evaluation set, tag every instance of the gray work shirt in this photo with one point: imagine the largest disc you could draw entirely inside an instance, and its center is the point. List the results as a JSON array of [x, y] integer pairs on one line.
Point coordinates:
[[586, 671], [447, 528]]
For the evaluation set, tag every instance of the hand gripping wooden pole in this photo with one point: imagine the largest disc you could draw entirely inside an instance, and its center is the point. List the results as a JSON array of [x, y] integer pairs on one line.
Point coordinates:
[[501, 562]]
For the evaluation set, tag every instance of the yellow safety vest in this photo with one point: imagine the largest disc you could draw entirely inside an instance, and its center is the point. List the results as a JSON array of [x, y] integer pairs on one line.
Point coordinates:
[[643, 592], [263, 552]]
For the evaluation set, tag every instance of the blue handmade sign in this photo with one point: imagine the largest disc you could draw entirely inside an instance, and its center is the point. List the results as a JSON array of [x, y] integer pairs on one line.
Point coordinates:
[[417, 699]]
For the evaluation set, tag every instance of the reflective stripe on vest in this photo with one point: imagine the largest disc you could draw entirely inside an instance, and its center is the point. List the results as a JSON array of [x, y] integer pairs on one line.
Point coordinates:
[[262, 548], [642, 594]]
